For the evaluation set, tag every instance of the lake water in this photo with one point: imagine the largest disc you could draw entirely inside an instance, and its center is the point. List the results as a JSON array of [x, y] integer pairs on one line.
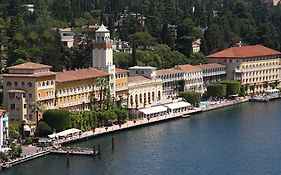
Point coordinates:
[[243, 140]]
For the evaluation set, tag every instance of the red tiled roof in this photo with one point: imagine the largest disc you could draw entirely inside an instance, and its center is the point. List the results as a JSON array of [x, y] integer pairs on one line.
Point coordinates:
[[245, 52], [210, 66], [137, 78], [30, 65], [39, 74], [187, 68], [118, 70], [80, 74], [167, 72]]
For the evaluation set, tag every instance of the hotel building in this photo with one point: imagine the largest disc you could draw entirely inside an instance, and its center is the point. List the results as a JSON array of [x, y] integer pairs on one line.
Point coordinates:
[[256, 66]]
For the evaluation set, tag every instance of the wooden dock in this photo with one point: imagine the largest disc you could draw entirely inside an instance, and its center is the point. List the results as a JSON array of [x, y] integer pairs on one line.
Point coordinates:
[[74, 151]]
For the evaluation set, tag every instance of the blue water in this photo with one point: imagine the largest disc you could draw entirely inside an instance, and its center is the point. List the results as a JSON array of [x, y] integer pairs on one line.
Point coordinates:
[[238, 140]]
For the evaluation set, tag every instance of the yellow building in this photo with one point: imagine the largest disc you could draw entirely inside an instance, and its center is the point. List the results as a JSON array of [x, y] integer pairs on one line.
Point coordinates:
[[121, 81], [25, 84], [77, 89], [257, 66]]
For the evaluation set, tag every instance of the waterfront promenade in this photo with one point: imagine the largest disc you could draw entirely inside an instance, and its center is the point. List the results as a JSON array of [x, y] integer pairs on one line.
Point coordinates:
[[144, 121], [129, 124]]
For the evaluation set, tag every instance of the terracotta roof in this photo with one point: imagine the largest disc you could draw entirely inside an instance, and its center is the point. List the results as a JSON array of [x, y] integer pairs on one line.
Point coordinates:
[[137, 78], [39, 74], [187, 68], [168, 71], [245, 52], [118, 70], [80, 74], [30, 65], [210, 66]]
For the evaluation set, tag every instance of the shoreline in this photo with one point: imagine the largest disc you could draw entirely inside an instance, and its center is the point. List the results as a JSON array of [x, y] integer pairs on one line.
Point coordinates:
[[126, 126]]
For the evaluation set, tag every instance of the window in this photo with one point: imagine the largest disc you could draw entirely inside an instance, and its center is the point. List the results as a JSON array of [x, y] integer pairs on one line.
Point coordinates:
[[52, 82], [22, 84], [137, 72], [13, 106], [16, 84], [30, 95], [142, 72], [9, 83], [29, 84], [24, 106]]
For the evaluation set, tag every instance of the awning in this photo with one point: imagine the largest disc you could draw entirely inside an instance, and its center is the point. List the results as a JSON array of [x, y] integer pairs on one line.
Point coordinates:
[[153, 110], [65, 133], [178, 105]]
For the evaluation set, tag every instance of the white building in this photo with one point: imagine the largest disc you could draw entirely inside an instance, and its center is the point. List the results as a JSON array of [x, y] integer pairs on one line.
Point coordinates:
[[193, 77], [4, 125], [257, 67], [103, 55], [67, 37], [212, 73], [171, 81], [147, 71]]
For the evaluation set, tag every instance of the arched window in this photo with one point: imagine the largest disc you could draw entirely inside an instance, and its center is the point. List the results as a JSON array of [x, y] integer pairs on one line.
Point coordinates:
[[131, 100], [159, 95], [144, 97], [153, 96], [47, 83], [140, 98], [29, 84], [136, 99], [149, 98], [43, 83]]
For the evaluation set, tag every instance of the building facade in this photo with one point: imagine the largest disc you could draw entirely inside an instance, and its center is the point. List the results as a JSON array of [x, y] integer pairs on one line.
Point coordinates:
[[24, 85], [143, 92], [4, 129], [171, 80], [121, 77], [193, 77], [257, 67], [212, 73], [78, 90]]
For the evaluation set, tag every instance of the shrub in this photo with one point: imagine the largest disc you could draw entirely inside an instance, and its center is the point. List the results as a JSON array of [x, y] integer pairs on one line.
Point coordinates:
[[57, 119], [43, 129], [232, 87], [191, 97], [216, 90]]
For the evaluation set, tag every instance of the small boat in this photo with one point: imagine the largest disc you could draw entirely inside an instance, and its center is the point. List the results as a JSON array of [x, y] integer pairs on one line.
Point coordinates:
[[186, 116]]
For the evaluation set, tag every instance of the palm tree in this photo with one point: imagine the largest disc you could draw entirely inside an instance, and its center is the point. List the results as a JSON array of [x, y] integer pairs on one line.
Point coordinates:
[[36, 108]]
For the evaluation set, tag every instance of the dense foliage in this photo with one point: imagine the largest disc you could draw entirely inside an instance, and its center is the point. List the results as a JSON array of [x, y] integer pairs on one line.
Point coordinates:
[[43, 129], [191, 97], [27, 36], [216, 90], [232, 87], [57, 119]]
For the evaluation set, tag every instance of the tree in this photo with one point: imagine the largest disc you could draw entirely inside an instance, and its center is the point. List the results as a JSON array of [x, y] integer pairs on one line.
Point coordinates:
[[57, 119], [216, 90], [198, 58], [43, 129], [191, 97], [36, 109], [142, 40], [242, 90], [232, 87], [122, 114]]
